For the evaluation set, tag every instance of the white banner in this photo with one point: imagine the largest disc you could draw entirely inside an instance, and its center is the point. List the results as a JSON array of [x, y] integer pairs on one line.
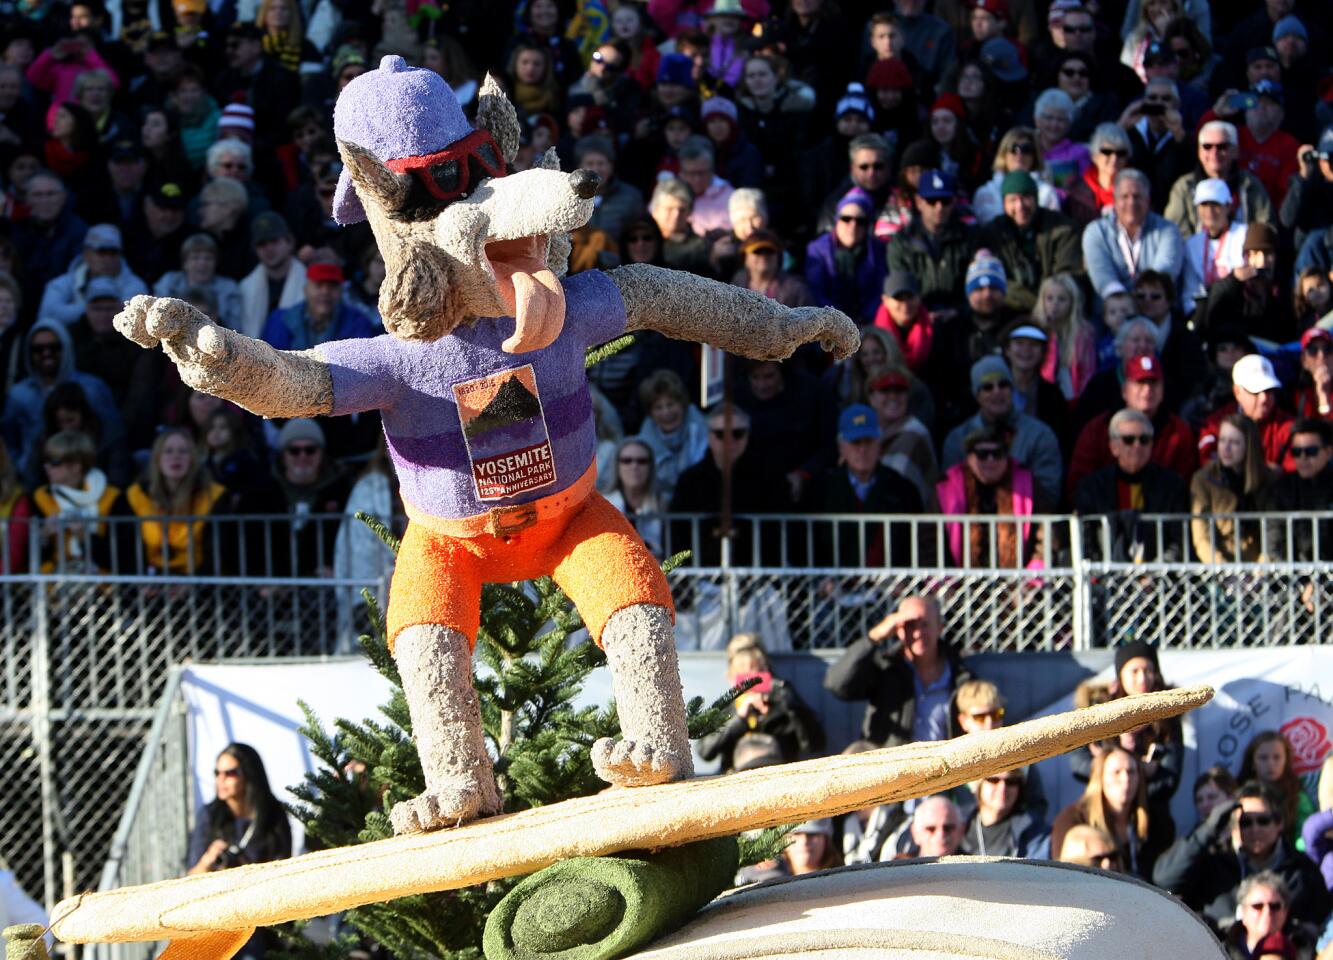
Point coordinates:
[[1288, 689]]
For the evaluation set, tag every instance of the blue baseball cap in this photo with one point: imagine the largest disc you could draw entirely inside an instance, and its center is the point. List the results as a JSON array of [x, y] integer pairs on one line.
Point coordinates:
[[858, 422], [937, 185]]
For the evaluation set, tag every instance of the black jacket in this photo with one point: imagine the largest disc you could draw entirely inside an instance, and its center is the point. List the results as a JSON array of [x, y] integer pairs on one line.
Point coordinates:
[[1204, 871], [1163, 492], [881, 674], [1290, 493], [789, 720], [891, 493]]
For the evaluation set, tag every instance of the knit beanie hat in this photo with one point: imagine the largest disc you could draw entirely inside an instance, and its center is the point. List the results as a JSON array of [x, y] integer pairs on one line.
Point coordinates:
[[951, 102], [858, 197], [719, 105], [1132, 650], [889, 74], [239, 116], [854, 100], [678, 69], [989, 368], [921, 153], [1018, 181], [1290, 26], [986, 270]]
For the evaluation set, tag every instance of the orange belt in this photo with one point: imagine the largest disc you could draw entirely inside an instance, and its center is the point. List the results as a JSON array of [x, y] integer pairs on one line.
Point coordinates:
[[505, 522]]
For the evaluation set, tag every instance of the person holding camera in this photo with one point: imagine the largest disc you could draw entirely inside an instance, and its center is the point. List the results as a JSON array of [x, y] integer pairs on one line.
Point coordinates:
[[1308, 206], [245, 823], [1252, 296], [906, 672], [1239, 838], [771, 707]]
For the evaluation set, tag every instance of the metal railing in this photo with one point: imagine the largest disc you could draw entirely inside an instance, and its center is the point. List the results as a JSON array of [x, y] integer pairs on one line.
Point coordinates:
[[86, 653]]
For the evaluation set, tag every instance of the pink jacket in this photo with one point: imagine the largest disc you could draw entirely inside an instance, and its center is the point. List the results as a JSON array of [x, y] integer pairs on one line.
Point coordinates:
[[1072, 381], [57, 77], [952, 493]]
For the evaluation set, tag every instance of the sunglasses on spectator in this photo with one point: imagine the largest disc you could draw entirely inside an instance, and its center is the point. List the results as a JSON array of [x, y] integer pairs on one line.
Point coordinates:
[[876, 165], [1130, 439], [989, 453], [1215, 146], [1113, 152], [1320, 347], [1073, 72], [1023, 147], [997, 713], [938, 201], [1271, 905], [846, 218], [1084, 29], [229, 773], [939, 827], [301, 449], [1256, 820], [1007, 781], [57, 462], [1300, 453], [635, 461], [990, 385], [641, 238], [737, 433]]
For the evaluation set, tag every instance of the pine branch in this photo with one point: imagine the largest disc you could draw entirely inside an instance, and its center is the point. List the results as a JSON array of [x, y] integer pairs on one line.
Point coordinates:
[[596, 355], [764, 844], [702, 722], [380, 530]]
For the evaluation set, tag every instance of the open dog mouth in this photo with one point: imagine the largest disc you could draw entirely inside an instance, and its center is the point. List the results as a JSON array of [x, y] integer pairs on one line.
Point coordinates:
[[529, 290]]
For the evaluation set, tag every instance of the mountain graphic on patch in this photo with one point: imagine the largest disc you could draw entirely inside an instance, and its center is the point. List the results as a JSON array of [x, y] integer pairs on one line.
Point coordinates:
[[504, 427], [512, 403]]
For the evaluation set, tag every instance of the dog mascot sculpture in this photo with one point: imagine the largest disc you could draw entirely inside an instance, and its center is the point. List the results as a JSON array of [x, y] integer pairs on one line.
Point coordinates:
[[481, 387]]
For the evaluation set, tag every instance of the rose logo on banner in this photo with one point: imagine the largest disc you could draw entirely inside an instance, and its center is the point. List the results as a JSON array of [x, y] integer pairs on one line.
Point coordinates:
[[1309, 744]]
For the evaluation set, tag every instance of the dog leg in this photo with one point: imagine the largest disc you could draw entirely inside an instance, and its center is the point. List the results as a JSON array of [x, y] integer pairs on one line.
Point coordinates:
[[645, 676], [436, 666]]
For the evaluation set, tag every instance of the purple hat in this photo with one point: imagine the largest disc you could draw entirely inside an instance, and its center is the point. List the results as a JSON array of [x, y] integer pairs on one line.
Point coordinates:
[[858, 197], [395, 111]]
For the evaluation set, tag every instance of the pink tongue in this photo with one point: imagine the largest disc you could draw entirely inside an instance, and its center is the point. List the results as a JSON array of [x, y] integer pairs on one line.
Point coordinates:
[[536, 300]]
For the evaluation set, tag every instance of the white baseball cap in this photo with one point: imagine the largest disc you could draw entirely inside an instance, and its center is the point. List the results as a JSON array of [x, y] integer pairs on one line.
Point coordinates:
[[1254, 373], [1212, 190]]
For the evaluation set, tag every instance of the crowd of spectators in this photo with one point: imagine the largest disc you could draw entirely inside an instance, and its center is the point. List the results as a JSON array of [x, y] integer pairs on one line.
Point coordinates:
[[1088, 244], [1254, 857]]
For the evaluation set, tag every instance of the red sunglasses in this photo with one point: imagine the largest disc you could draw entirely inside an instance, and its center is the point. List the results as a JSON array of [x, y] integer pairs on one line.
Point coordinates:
[[448, 174]]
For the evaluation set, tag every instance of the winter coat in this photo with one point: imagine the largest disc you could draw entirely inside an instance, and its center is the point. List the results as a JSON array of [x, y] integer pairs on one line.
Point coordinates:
[[617, 206], [1173, 447], [685, 448], [289, 329], [1291, 493], [1162, 250], [254, 297], [1030, 835], [1097, 497], [794, 725], [880, 674], [64, 298], [1215, 540], [859, 295], [952, 494], [1056, 249], [939, 265], [1033, 444], [1252, 203]]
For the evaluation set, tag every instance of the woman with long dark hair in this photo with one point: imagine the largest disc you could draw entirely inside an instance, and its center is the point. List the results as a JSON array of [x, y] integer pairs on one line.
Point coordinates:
[[245, 823]]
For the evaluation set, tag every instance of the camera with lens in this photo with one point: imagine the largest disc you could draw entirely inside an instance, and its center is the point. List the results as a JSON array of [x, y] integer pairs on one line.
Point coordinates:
[[231, 857]]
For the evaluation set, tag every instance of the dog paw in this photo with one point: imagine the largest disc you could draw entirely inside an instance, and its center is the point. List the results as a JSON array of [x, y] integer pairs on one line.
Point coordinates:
[[447, 806], [630, 763]]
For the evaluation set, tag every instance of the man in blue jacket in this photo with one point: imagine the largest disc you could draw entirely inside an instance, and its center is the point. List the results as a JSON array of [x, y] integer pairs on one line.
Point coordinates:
[[321, 317]]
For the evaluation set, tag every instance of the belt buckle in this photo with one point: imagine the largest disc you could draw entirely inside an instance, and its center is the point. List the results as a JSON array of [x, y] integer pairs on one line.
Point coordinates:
[[507, 521]]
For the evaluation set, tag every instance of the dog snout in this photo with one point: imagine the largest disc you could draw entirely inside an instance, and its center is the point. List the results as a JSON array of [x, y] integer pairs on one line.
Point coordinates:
[[585, 183]]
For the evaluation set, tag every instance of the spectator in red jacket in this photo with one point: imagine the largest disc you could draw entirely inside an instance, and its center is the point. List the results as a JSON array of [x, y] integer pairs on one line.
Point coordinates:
[[1314, 392], [1257, 390], [1142, 390]]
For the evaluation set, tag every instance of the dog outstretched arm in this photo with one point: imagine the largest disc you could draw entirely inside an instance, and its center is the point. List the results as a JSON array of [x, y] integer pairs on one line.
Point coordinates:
[[221, 362], [688, 307]]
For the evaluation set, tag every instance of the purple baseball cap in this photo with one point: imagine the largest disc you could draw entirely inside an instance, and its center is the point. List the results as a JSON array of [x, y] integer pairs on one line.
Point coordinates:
[[394, 111]]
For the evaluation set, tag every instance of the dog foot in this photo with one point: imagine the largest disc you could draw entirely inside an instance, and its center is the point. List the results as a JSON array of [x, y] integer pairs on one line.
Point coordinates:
[[448, 806], [629, 763]]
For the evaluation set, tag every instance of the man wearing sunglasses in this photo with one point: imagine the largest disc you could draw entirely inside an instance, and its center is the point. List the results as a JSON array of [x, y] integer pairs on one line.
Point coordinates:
[[1241, 837], [936, 247], [1307, 488], [1131, 486], [1218, 155]]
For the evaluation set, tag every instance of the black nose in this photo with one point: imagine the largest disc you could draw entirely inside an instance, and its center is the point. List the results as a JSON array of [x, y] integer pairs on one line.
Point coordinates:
[[585, 183]]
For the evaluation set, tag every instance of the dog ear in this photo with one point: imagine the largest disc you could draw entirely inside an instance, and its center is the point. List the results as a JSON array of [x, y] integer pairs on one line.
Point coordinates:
[[373, 180], [496, 115]]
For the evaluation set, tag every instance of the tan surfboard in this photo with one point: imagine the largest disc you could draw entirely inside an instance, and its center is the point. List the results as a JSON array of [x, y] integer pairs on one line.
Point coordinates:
[[209, 916]]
